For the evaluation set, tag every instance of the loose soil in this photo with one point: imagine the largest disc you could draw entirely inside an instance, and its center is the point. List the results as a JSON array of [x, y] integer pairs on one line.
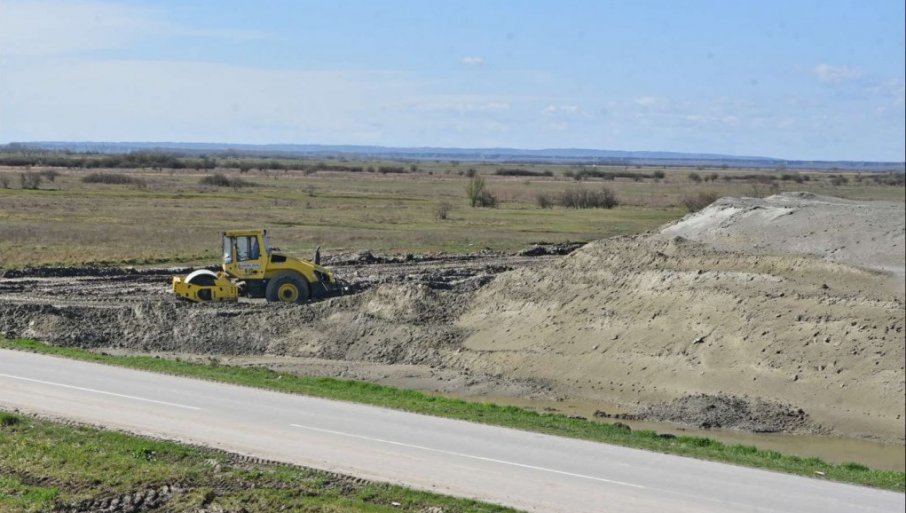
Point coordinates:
[[783, 315], [723, 411]]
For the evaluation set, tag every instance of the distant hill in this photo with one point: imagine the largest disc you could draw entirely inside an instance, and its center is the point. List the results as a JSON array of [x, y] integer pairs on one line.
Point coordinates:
[[498, 155]]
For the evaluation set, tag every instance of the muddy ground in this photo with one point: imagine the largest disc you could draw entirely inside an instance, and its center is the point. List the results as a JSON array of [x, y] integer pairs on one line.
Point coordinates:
[[131, 311], [733, 317]]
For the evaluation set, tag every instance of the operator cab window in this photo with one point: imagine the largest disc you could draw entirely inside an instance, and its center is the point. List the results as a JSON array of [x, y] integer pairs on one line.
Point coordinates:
[[247, 248], [227, 250]]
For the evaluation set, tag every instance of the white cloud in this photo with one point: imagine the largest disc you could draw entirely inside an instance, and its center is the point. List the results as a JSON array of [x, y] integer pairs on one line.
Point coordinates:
[[567, 109], [163, 100], [897, 90], [648, 101], [828, 73], [461, 103], [731, 121], [472, 61], [56, 27], [893, 91]]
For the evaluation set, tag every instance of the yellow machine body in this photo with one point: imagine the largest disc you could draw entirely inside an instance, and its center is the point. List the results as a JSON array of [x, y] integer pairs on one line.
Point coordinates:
[[222, 289], [252, 268]]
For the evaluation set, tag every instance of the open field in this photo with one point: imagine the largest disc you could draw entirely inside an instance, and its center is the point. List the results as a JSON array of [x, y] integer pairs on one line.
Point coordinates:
[[167, 216], [47, 466]]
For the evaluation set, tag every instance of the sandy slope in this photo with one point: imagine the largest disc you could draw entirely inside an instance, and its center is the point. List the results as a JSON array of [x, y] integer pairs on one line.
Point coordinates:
[[865, 234], [652, 318]]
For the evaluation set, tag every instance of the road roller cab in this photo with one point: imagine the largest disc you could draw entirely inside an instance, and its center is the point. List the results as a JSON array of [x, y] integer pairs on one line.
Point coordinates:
[[251, 268]]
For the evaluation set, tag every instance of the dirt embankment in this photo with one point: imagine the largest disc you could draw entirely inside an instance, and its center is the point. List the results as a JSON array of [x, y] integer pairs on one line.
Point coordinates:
[[645, 321], [396, 328], [759, 326]]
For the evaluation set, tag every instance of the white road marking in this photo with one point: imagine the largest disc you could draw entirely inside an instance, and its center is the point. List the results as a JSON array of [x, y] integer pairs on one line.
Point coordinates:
[[471, 456], [100, 392]]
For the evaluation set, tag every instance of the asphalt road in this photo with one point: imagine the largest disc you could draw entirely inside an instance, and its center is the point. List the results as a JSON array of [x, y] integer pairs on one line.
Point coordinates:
[[519, 469]]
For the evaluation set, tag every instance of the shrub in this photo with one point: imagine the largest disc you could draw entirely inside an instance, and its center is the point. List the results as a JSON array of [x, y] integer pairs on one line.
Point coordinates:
[[8, 419], [521, 172], [838, 180], [220, 180], [611, 175], [696, 202], [50, 174], [113, 178], [761, 190], [544, 200], [442, 211], [695, 177], [581, 197], [30, 180], [758, 178], [487, 200], [320, 166], [793, 177], [898, 179], [479, 195]]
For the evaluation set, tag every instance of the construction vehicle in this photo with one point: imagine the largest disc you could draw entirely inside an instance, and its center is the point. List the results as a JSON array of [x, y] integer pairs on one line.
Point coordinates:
[[251, 268]]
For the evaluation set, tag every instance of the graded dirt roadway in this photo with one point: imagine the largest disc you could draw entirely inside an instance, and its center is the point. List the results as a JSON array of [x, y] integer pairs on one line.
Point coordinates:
[[519, 469]]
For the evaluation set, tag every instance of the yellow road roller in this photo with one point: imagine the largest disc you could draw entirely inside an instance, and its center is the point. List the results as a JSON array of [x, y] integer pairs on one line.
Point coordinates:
[[251, 268]]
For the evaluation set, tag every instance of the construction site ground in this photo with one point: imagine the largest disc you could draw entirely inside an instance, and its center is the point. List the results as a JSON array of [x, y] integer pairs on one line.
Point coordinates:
[[783, 315]]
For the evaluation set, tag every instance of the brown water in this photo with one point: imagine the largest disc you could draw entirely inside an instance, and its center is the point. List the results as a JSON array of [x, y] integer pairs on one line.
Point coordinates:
[[877, 455]]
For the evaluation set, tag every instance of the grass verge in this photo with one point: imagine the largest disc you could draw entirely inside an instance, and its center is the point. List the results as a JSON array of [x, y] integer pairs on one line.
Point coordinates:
[[47, 466], [507, 416]]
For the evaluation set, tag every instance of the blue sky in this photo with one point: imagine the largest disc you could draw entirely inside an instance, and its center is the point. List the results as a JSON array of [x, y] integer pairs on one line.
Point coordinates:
[[792, 79]]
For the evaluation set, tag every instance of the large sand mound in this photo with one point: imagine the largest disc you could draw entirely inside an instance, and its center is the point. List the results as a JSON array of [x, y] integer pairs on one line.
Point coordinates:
[[649, 319], [865, 234]]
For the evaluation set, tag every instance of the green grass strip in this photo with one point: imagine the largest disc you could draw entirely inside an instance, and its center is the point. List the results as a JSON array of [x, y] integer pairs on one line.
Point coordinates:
[[486, 413], [47, 466]]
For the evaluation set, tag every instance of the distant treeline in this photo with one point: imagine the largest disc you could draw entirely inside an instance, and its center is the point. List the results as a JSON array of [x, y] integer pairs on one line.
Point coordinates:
[[166, 160], [158, 160], [128, 160]]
